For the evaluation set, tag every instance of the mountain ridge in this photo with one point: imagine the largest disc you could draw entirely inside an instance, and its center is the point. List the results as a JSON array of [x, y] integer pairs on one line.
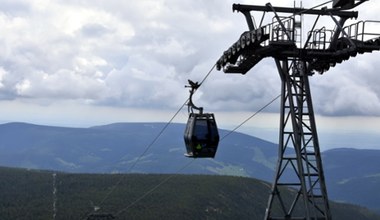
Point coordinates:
[[114, 148]]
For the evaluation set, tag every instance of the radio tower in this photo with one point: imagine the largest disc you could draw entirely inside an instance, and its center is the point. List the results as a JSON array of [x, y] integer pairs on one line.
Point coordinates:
[[299, 165]]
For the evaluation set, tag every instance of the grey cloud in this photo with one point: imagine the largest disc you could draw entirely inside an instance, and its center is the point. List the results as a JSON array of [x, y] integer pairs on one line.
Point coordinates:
[[141, 53], [250, 92], [349, 89], [14, 7], [143, 83], [94, 30]]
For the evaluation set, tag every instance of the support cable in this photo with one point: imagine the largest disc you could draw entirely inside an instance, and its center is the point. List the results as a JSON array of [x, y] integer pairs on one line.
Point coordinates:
[[188, 164], [207, 75], [143, 153], [153, 141], [250, 117], [154, 188], [182, 168], [300, 12]]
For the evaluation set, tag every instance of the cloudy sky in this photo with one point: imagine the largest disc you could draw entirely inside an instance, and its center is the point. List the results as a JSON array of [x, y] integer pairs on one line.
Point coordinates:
[[82, 63]]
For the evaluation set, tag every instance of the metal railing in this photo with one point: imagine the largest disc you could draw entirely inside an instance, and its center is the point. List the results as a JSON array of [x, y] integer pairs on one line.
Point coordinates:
[[363, 30], [277, 33], [320, 39]]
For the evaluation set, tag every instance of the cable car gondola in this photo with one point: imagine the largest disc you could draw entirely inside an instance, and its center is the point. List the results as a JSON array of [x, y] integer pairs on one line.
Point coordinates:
[[201, 133]]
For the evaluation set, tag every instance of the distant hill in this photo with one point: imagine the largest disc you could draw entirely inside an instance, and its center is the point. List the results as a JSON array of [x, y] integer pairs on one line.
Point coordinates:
[[33, 194], [352, 175], [113, 148]]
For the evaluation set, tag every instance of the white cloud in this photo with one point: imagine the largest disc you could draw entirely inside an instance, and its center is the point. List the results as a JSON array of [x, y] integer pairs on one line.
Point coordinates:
[[3, 75], [350, 89], [141, 53]]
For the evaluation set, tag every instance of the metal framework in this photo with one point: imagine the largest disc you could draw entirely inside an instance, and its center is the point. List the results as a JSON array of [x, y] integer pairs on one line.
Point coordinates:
[[299, 165]]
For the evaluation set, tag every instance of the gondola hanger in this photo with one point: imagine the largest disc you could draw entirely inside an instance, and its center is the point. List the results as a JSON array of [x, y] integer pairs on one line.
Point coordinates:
[[193, 87], [201, 133]]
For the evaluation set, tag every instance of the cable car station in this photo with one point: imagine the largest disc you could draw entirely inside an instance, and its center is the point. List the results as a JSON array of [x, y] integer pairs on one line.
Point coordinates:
[[299, 163]]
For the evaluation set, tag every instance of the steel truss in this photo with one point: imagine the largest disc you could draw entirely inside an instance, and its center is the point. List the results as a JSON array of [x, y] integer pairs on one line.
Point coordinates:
[[299, 165]]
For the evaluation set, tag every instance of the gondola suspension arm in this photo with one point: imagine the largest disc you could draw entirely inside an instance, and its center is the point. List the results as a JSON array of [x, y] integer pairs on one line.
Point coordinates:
[[193, 87]]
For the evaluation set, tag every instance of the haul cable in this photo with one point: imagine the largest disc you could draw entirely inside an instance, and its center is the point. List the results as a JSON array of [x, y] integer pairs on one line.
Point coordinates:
[[152, 142], [188, 164]]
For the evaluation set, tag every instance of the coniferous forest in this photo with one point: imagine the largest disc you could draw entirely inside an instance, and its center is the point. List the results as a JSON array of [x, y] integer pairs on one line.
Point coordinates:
[[34, 194]]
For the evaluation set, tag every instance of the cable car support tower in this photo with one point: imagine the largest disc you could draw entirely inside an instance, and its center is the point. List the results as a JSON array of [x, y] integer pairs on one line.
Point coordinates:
[[299, 165]]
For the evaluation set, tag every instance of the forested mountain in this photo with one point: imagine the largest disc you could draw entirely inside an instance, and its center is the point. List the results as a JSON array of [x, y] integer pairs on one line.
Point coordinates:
[[352, 176], [32, 194]]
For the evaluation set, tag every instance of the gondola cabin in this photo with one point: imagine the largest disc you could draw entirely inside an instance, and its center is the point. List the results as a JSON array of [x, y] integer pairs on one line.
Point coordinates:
[[201, 135]]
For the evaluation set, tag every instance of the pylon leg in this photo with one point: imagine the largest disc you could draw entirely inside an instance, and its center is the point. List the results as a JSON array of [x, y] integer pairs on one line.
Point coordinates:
[[299, 165]]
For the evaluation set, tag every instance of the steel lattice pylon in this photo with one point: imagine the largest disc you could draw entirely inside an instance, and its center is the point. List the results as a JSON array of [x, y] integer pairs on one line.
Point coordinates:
[[299, 167]]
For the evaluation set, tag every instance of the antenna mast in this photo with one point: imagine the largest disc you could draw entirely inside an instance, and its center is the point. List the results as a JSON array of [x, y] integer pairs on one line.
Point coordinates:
[[299, 164]]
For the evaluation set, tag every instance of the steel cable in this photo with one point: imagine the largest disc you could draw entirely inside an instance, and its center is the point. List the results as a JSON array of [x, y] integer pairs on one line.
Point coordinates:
[[152, 142], [188, 164]]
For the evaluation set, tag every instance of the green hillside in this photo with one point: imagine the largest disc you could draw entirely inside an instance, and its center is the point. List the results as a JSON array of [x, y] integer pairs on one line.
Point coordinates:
[[352, 176], [28, 194]]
